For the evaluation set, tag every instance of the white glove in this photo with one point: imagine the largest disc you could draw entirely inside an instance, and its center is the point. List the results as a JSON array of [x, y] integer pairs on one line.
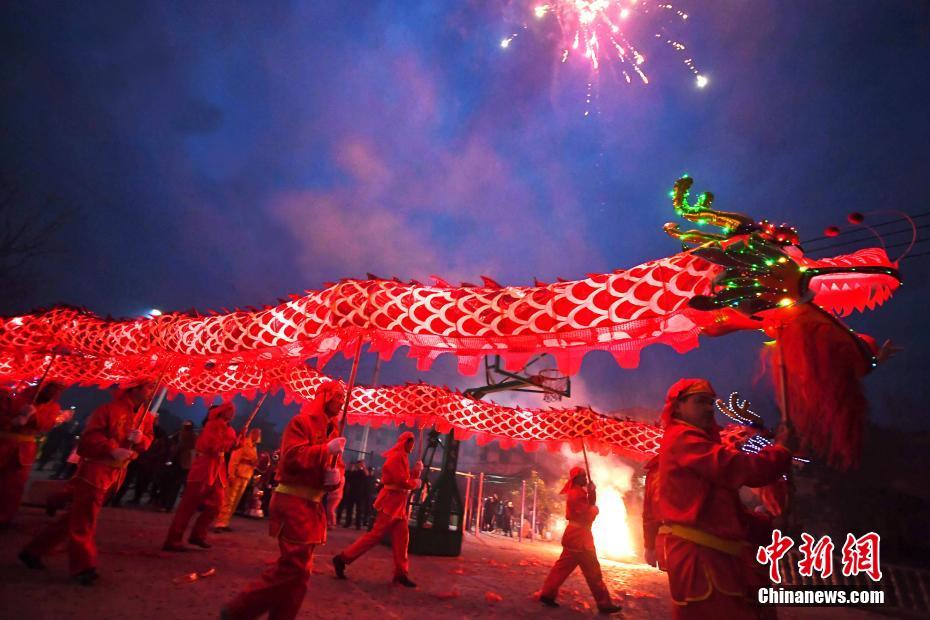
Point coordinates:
[[134, 436], [419, 483], [417, 469], [24, 415], [336, 446], [331, 477], [121, 454]]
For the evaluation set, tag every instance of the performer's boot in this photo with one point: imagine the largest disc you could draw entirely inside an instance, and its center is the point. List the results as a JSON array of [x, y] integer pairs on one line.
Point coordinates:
[[339, 565], [87, 577], [31, 560], [547, 601], [610, 609], [199, 542], [404, 580]]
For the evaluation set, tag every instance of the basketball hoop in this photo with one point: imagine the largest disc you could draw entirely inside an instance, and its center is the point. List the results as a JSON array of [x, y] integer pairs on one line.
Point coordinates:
[[554, 384]]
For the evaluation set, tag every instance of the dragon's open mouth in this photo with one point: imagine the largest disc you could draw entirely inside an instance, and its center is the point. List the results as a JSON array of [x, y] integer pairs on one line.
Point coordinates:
[[857, 281]]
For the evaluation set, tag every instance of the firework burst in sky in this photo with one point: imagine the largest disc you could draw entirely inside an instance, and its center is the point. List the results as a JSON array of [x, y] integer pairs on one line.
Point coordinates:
[[603, 32]]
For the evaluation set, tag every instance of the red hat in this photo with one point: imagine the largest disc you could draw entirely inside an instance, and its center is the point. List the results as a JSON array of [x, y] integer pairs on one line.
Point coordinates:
[[573, 473], [131, 384], [328, 389], [223, 410], [324, 392], [682, 388], [399, 444]]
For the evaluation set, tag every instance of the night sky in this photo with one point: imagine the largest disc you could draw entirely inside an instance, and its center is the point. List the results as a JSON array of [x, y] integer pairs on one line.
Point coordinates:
[[214, 155]]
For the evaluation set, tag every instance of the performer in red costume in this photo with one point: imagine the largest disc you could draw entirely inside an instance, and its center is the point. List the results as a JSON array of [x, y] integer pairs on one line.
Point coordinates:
[[650, 520], [22, 424], [297, 518], [702, 540], [108, 443], [206, 480], [398, 480], [578, 544]]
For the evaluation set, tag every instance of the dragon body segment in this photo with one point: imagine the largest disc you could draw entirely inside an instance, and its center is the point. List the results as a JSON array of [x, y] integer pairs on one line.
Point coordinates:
[[747, 276]]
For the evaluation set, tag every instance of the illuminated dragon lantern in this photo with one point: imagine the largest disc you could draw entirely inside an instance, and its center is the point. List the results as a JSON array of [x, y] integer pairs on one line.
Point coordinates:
[[751, 275]]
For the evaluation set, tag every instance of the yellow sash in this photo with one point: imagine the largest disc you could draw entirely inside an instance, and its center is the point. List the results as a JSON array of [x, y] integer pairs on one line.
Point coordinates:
[[700, 537], [310, 493]]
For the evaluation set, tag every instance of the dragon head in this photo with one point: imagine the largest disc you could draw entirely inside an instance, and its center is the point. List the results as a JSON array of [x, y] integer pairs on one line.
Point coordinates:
[[763, 267]]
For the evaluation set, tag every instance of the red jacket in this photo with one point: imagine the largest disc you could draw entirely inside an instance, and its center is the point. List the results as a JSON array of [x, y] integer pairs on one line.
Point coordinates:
[[580, 513], [697, 486], [214, 442], [303, 460], [39, 423], [395, 476], [303, 449], [699, 479], [106, 430]]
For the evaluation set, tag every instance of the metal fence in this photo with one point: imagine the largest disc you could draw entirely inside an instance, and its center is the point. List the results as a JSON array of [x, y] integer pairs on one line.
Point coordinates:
[[907, 589]]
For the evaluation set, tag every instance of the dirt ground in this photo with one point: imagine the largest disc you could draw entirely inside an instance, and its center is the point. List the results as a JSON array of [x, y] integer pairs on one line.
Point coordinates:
[[494, 577]]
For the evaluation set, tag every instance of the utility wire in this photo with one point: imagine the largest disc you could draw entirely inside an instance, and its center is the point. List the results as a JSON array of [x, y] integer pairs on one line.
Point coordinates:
[[887, 247], [867, 237], [880, 225]]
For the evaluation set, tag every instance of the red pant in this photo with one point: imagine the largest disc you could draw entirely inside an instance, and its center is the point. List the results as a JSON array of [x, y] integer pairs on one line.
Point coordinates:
[[706, 583], [282, 587], [718, 606], [280, 592], [195, 494], [78, 526], [13, 478], [384, 524], [590, 568]]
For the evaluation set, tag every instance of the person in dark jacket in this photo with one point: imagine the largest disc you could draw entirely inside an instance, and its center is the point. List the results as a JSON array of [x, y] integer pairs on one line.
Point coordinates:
[[356, 495], [174, 472]]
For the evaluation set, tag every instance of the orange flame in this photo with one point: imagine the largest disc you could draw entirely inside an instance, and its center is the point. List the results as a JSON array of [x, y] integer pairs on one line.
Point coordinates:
[[611, 529]]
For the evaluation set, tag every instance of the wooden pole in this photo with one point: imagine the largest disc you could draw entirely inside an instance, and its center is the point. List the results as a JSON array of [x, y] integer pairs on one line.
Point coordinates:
[[786, 432], [248, 423], [159, 399], [351, 385], [374, 384], [419, 448], [786, 427], [587, 469], [535, 487], [480, 510], [467, 503], [140, 421], [522, 509], [348, 396], [48, 369]]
